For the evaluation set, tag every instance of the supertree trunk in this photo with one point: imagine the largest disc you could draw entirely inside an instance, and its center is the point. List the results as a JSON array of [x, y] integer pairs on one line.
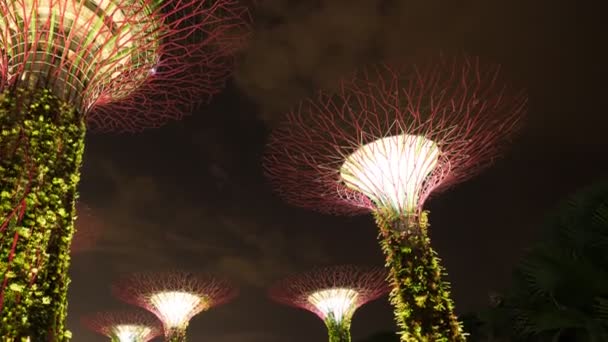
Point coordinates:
[[424, 310], [175, 335], [41, 146], [338, 331]]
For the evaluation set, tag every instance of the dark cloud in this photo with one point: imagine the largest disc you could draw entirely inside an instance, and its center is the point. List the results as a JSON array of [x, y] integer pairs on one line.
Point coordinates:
[[143, 220], [302, 45], [88, 228]]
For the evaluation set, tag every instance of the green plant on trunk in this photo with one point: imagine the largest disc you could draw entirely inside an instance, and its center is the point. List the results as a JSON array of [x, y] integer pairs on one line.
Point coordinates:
[[41, 147], [176, 334], [423, 308], [338, 330]]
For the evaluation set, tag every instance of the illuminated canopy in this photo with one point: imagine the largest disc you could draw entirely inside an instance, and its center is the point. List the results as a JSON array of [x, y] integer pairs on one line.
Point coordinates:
[[131, 332], [79, 49], [175, 307], [338, 303], [124, 326], [174, 297], [391, 170]]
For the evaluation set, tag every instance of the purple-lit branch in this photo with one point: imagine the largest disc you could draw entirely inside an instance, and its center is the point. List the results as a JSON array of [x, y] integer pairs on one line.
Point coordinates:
[[124, 326], [450, 115], [147, 62], [174, 297], [351, 286]]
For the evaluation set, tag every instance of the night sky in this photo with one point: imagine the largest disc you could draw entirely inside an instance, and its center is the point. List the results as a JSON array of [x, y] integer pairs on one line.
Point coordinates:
[[191, 195]]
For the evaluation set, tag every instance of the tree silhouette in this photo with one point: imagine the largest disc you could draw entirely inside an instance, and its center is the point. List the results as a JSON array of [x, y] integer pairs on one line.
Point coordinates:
[[560, 287]]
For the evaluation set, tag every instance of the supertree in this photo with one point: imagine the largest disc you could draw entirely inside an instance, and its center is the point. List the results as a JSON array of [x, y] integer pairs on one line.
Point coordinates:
[[332, 293], [114, 65], [391, 135], [124, 326], [174, 297]]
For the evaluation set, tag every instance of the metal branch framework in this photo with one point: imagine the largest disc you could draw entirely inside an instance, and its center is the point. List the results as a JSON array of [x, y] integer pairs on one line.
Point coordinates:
[[124, 326], [383, 143], [174, 297], [126, 64], [457, 104], [333, 294]]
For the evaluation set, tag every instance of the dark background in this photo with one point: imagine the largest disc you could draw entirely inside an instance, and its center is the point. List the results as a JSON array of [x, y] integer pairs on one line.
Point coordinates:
[[192, 195]]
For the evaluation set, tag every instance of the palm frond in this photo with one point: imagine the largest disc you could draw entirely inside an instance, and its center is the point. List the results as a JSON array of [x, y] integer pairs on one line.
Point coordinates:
[[534, 321], [601, 309], [539, 276], [561, 285]]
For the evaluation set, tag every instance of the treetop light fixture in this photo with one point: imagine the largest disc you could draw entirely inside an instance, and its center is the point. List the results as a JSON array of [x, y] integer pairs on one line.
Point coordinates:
[[333, 294], [124, 326], [391, 170], [174, 297]]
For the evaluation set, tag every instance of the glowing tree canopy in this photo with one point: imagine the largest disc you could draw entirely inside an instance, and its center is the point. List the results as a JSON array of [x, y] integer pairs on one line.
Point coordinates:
[[124, 64], [174, 297], [124, 326], [387, 139], [333, 294], [113, 65]]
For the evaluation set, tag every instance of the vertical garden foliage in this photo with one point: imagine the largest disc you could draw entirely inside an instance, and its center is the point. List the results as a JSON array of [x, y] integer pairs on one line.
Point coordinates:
[[338, 331], [41, 147], [176, 335], [423, 308]]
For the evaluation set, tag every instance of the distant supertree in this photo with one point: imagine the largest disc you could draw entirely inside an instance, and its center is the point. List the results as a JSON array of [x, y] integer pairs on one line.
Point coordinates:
[[387, 139], [333, 294], [115, 65], [124, 326], [174, 297]]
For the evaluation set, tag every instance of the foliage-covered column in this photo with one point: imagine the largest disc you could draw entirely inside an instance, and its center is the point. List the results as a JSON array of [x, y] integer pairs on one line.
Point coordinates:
[[339, 331], [423, 308], [176, 335], [41, 146]]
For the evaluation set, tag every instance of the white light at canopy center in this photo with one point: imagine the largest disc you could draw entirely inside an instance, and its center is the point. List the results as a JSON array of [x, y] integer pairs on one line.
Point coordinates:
[[339, 301], [175, 307], [131, 332], [390, 171]]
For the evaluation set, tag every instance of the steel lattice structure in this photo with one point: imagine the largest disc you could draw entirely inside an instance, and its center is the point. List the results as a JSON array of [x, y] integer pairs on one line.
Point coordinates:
[[124, 326], [383, 143], [125, 64], [65, 65], [174, 297], [333, 294]]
